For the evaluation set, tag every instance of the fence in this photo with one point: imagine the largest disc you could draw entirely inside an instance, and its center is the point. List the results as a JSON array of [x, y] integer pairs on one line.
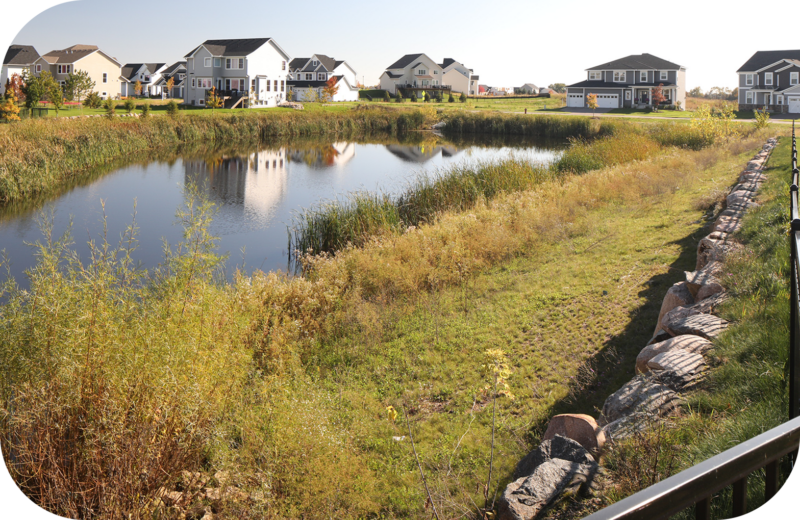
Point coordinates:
[[695, 486]]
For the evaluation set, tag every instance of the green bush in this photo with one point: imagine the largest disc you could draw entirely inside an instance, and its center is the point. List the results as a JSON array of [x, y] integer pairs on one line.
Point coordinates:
[[413, 97], [93, 100], [172, 108], [130, 105], [386, 96], [145, 110], [451, 99], [463, 98], [110, 106], [426, 97]]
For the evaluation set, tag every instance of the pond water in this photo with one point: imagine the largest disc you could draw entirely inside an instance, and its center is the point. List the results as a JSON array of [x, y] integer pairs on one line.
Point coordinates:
[[256, 189]]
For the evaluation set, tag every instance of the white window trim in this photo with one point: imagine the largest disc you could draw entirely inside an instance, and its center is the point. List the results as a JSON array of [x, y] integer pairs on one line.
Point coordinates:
[[624, 75], [234, 63], [642, 76], [767, 78], [663, 75], [422, 72], [105, 77], [217, 62], [201, 81], [321, 76], [595, 75], [780, 99], [627, 95], [794, 78], [207, 62], [748, 98], [748, 79]]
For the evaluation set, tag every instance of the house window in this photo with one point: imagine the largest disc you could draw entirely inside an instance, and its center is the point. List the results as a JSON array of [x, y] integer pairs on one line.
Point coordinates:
[[282, 86], [780, 100], [268, 85], [105, 77], [38, 68], [193, 83], [619, 76], [436, 72], [748, 79], [275, 84], [595, 75], [321, 76], [793, 78], [749, 98], [206, 62], [309, 76], [314, 63], [252, 84], [104, 94], [218, 62], [234, 63], [643, 76], [421, 72], [283, 65], [767, 78], [663, 75], [627, 95], [63, 69], [201, 102], [204, 83]]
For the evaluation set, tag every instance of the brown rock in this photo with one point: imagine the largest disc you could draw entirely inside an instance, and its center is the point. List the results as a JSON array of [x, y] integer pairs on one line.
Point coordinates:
[[728, 224], [704, 325], [579, 427], [678, 295], [705, 306], [739, 198], [689, 343], [640, 395], [678, 369]]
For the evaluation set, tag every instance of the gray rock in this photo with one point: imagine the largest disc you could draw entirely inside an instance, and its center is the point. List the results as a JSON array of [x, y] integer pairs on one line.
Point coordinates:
[[678, 369], [640, 395], [626, 426], [526, 497], [687, 343], [703, 325], [741, 198], [728, 224], [696, 279], [752, 176], [559, 447], [755, 164], [678, 295], [706, 306], [746, 186]]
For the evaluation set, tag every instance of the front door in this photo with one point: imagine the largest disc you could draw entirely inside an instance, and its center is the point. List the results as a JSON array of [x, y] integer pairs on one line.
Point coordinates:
[[767, 99]]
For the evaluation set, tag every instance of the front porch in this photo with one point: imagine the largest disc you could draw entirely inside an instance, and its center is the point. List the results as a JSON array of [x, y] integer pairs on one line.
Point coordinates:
[[642, 97], [418, 88]]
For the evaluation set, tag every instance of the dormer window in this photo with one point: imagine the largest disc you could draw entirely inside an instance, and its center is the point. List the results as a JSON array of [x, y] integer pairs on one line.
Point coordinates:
[[619, 76], [663, 75], [793, 78], [767, 78], [314, 63], [595, 75]]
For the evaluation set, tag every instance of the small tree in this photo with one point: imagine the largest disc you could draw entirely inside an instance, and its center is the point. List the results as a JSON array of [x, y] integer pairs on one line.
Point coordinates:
[[93, 100], [289, 94], [658, 96], [591, 102], [463, 98], [78, 85], [213, 100], [130, 105], [137, 87], [386, 96], [52, 90], [15, 83], [330, 90], [451, 99], [145, 110], [32, 89], [311, 95], [761, 119], [172, 108], [425, 97], [170, 84], [399, 98], [413, 97], [111, 107], [9, 111]]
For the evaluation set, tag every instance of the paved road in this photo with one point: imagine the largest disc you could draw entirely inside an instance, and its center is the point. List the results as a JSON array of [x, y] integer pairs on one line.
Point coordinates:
[[604, 112]]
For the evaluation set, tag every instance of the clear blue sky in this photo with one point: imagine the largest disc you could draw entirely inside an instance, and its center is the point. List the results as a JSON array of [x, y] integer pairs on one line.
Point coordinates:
[[507, 43]]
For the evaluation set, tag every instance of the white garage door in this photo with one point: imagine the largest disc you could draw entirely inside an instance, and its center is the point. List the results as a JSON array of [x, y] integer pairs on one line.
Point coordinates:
[[794, 104], [607, 101], [574, 100]]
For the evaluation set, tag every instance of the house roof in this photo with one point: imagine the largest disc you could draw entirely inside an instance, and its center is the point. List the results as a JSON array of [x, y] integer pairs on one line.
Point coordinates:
[[393, 75], [237, 47], [447, 62], [172, 69], [129, 70], [404, 61], [20, 55], [70, 54], [298, 62], [637, 62], [529, 85], [761, 59]]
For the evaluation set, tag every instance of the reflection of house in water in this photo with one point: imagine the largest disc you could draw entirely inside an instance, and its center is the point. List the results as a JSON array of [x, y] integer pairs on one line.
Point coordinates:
[[255, 183], [421, 153], [326, 156]]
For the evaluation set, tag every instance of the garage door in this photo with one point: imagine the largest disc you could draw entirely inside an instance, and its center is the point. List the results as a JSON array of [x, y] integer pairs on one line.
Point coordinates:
[[574, 100], [794, 104], [607, 101]]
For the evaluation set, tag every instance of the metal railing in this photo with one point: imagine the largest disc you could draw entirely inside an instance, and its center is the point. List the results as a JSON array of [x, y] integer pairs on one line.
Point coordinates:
[[695, 486]]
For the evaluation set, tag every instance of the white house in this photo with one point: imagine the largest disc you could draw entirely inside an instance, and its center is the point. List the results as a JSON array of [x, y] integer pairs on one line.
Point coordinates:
[[459, 77], [256, 67], [313, 73], [148, 74], [176, 72], [417, 73], [19, 58]]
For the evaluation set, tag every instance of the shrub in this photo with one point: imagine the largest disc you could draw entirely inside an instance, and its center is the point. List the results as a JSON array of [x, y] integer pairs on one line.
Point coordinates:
[[145, 110], [172, 108], [426, 97], [413, 97], [130, 105], [463, 98], [93, 100], [386, 96], [110, 106], [451, 99], [761, 119]]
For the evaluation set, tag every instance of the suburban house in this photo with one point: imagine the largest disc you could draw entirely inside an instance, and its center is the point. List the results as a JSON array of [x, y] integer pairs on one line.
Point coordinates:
[[254, 68], [528, 88], [771, 79], [147, 74], [459, 77], [104, 70], [176, 72], [313, 73], [415, 74], [630, 82], [19, 58]]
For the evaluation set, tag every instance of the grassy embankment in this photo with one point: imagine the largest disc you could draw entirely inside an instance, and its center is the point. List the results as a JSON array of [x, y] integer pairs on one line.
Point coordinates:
[[120, 379], [42, 155]]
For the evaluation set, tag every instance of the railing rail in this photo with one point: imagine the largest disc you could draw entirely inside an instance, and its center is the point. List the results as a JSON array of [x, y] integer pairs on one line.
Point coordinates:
[[695, 486]]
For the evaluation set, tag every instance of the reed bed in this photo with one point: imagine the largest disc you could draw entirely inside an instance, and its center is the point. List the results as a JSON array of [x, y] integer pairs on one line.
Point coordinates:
[[41, 155]]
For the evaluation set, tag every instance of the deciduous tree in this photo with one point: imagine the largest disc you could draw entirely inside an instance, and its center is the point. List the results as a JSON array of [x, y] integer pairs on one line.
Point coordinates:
[[591, 102], [558, 87], [137, 87], [15, 83], [78, 85], [170, 84], [311, 95], [658, 96], [330, 90], [9, 111], [32, 89], [213, 100], [52, 90]]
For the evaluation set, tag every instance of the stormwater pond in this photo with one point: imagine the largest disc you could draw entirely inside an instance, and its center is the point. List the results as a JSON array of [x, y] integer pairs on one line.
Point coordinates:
[[257, 189]]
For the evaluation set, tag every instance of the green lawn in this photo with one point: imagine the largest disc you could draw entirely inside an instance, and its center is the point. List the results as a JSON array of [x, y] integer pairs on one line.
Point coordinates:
[[740, 114]]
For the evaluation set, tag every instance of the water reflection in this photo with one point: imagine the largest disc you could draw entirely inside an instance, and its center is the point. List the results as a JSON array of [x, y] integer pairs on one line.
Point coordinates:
[[257, 189]]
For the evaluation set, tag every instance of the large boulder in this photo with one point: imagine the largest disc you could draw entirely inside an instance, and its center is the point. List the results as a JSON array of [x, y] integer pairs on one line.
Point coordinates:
[[580, 428], [716, 246], [693, 344], [728, 224], [706, 306], [704, 283], [678, 369], [640, 395], [704, 325], [678, 295], [559, 447], [526, 497], [739, 198]]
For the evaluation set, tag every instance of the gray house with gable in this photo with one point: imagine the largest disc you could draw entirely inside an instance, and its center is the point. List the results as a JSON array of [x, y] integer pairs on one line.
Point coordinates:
[[771, 80]]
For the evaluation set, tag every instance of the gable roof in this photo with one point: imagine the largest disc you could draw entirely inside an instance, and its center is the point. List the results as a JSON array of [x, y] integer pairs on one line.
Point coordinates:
[[172, 69], [404, 61], [637, 62], [236, 47], [530, 85], [298, 62], [20, 55], [129, 70], [762, 59], [70, 54], [447, 62]]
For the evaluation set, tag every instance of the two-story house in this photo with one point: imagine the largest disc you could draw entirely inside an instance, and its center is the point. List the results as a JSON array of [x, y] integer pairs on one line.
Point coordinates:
[[238, 69], [771, 79], [314, 72], [630, 82], [177, 73], [147, 74], [459, 77], [414, 74], [104, 70], [19, 58]]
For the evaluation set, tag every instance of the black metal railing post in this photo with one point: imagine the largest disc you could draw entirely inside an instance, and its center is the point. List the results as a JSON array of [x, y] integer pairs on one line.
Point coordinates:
[[794, 323]]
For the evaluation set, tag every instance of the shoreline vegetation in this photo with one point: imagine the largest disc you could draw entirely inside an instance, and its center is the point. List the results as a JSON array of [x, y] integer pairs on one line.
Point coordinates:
[[136, 392]]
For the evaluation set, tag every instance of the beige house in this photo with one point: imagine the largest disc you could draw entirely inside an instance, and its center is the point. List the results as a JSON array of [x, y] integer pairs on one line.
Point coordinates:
[[104, 70]]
